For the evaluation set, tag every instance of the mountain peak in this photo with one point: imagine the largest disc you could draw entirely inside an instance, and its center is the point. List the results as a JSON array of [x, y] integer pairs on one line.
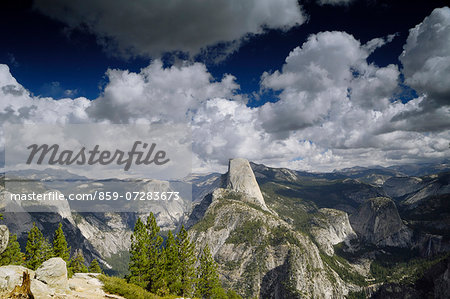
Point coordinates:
[[240, 178]]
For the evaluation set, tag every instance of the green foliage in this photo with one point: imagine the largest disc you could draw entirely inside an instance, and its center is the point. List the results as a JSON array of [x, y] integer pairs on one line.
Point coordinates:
[[156, 257], [172, 265], [170, 269], [12, 254], [281, 235], [94, 267], [38, 250], [246, 233], [387, 269], [231, 294], [205, 223], [119, 286], [119, 263], [147, 259], [356, 295], [343, 269], [76, 264], [139, 261], [60, 248], [208, 284], [186, 258]]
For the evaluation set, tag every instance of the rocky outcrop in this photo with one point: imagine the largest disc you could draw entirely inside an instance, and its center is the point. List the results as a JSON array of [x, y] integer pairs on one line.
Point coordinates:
[[49, 282], [11, 275], [239, 182], [84, 284], [53, 272], [240, 178], [331, 227], [378, 222], [261, 255]]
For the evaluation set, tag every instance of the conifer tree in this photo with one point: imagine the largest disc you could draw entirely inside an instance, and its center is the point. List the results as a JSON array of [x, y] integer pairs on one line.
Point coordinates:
[[155, 255], [76, 264], [138, 265], [12, 254], [38, 249], [172, 265], [186, 256], [208, 285], [94, 267], [60, 248]]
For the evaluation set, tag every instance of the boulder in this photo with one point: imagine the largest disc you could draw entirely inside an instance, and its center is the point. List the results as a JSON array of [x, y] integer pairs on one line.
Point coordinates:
[[41, 290], [11, 276], [53, 272]]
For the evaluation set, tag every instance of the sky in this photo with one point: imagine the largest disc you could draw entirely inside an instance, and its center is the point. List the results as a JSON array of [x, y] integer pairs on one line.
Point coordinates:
[[312, 85]]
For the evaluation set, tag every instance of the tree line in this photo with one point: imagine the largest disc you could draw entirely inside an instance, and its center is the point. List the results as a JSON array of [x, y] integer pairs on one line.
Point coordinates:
[[38, 249], [171, 268]]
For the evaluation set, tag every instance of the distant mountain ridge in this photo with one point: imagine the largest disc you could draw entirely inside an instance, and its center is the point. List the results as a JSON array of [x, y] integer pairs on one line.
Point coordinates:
[[277, 232]]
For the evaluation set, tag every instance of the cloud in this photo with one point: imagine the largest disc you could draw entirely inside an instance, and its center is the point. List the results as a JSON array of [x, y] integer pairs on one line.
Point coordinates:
[[320, 77], [152, 27], [334, 109], [158, 94], [17, 105], [331, 96], [426, 58]]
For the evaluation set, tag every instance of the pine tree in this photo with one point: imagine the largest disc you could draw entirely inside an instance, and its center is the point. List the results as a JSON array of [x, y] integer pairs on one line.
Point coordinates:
[[76, 264], [12, 254], [172, 265], [138, 265], [208, 285], [156, 256], [60, 248], [94, 267], [38, 249], [186, 256]]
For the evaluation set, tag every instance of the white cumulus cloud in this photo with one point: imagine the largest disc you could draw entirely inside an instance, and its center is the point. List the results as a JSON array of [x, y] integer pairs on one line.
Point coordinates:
[[426, 57]]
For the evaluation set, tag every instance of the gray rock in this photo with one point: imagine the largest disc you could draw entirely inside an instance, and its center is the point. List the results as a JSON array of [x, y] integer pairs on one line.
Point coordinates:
[[331, 228], [11, 275], [54, 273], [259, 254], [41, 290], [241, 179], [378, 222]]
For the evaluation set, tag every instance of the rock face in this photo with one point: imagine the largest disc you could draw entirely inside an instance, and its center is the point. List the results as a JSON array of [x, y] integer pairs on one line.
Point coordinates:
[[259, 254], [4, 237], [400, 186], [378, 222], [53, 272], [240, 178], [330, 228]]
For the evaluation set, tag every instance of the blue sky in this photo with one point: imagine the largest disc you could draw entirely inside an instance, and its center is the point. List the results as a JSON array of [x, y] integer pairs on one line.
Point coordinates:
[[94, 50], [33, 42]]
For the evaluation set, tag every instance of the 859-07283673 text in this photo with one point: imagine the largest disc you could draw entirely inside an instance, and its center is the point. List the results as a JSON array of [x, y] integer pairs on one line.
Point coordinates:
[[98, 195]]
